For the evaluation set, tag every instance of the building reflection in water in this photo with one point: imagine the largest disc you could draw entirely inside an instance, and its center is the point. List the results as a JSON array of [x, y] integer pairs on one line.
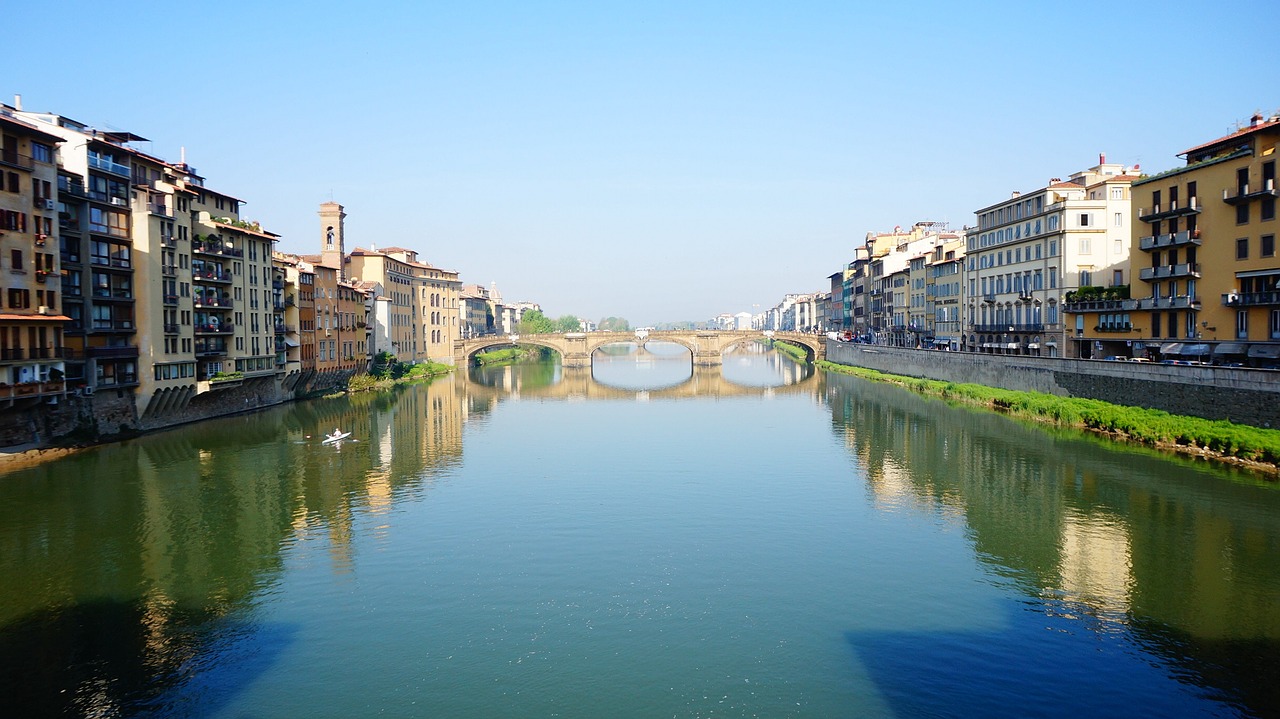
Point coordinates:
[[1170, 549]]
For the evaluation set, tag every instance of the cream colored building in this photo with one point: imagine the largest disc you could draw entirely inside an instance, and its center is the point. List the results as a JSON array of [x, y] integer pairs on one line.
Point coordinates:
[[1028, 251]]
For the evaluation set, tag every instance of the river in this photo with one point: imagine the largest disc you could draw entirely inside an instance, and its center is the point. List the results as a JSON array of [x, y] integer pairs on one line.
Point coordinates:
[[638, 540]]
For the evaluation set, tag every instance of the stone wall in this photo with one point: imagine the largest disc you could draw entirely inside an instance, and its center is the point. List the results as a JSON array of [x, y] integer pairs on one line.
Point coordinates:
[[1246, 396]]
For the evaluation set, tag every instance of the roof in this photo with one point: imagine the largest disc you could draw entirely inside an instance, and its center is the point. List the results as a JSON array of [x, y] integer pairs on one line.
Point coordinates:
[[30, 129], [1273, 123]]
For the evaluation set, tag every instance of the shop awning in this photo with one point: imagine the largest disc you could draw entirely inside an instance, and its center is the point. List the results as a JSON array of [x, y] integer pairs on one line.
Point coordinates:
[[1230, 348], [1265, 351], [1171, 348], [1196, 350]]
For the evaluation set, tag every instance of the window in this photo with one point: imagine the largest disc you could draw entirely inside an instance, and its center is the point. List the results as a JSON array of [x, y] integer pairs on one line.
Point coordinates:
[[1242, 214], [1268, 246], [1155, 325], [1086, 278], [41, 152], [1117, 193], [1242, 324], [1084, 219], [1084, 246], [1267, 208], [1118, 220], [1275, 324], [15, 260], [1242, 248], [1173, 324]]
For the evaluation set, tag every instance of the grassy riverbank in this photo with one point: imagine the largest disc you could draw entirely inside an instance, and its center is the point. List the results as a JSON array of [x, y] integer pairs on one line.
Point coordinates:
[[511, 355], [393, 375], [1216, 438], [793, 351]]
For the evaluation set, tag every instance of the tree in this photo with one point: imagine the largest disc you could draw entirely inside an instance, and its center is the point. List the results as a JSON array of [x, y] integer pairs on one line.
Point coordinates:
[[568, 323], [614, 324], [533, 322]]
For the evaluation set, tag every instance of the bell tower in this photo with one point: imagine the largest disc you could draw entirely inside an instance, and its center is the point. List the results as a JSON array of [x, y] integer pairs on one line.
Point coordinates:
[[332, 240]]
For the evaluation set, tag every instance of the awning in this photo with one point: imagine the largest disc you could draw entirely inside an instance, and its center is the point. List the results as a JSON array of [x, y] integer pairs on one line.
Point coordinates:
[[1229, 348], [1265, 351], [291, 343], [1033, 346], [1171, 348], [1196, 350]]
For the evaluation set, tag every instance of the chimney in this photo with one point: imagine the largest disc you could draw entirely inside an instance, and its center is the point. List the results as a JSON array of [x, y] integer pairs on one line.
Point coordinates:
[[1102, 158], [17, 102], [1253, 121]]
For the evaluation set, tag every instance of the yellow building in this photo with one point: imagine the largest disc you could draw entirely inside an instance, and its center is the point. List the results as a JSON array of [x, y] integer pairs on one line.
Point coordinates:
[[31, 348], [1207, 276]]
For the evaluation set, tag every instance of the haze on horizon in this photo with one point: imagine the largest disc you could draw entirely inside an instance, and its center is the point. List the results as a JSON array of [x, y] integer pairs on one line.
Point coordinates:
[[655, 162]]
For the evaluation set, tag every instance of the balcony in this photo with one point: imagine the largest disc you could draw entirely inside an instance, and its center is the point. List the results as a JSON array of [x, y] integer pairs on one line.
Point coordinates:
[[277, 284], [1116, 305], [1181, 302], [1114, 327], [210, 328], [171, 299], [212, 301], [156, 208], [172, 329], [108, 164], [208, 247], [989, 297], [68, 187], [112, 326], [1165, 272], [169, 270], [14, 354], [1251, 299], [111, 352], [210, 349], [13, 159], [168, 241], [1177, 239], [32, 389], [1173, 209], [1009, 327], [211, 276], [1244, 193]]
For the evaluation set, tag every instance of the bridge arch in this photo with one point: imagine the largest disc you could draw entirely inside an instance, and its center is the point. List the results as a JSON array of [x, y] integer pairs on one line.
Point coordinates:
[[577, 348]]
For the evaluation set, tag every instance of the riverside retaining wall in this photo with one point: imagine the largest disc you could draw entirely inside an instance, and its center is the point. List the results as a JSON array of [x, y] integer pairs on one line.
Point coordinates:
[[1246, 396]]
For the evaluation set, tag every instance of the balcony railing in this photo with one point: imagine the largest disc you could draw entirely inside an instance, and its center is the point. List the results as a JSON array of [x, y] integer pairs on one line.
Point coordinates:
[[1100, 306], [13, 159], [1173, 209], [209, 328], [1180, 302], [215, 248], [169, 270], [1010, 327], [32, 389], [111, 352], [211, 276], [157, 208], [171, 329], [106, 164], [1164, 272], [211, 301], [1114, 327], [1247, 192], [1177, 239], [171, 299], [1251, 299]]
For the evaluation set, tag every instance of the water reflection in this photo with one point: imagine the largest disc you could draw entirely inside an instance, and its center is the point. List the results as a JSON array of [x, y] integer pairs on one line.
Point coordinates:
[[1178, 558], [138, 575]]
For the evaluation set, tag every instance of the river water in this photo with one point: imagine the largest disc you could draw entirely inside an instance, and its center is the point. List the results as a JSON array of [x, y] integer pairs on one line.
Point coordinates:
[[637, 540]]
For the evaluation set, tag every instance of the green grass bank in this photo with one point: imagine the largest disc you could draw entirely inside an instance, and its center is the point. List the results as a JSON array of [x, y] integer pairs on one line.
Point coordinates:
[[1154, 428]]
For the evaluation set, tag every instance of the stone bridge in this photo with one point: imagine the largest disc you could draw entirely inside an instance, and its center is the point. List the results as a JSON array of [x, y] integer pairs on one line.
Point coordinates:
[[707, 347], [579, 383]]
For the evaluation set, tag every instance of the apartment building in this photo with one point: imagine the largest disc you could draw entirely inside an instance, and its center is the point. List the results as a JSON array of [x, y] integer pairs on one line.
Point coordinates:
[[944, 285], [32, 366], [1028, 251], [1208, 289]]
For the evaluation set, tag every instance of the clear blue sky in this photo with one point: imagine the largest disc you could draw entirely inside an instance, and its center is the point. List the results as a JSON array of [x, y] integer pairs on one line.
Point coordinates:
[[654, 161]]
